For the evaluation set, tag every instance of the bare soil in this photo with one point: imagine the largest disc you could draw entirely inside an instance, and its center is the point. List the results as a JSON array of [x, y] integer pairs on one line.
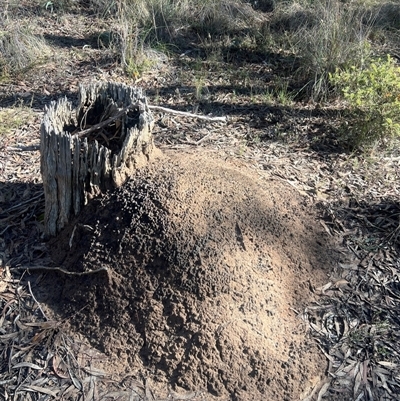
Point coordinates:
[[207, 265]]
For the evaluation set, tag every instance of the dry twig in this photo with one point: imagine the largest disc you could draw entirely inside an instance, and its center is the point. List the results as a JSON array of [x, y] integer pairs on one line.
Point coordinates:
[[186, 114], [59, 269]]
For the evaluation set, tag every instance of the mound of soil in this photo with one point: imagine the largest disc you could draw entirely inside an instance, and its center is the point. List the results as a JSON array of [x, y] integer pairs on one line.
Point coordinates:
[[207, 264]]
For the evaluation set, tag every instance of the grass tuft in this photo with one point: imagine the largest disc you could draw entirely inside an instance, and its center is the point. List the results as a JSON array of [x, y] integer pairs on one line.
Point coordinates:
[[13, 118], [324, 35], [20, 49]]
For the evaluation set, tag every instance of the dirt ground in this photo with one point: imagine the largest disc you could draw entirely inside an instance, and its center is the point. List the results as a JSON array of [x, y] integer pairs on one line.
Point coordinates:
[[207, 265]]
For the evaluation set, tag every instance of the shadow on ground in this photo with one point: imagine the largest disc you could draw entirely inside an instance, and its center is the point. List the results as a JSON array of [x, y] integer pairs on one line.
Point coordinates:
[[21, 216]]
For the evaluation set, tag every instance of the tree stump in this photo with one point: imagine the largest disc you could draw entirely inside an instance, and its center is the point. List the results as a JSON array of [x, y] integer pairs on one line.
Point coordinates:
[[92, 148]]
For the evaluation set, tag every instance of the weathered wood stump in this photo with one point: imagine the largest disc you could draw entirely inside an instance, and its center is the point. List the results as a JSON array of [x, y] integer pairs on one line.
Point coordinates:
[[92, 148]]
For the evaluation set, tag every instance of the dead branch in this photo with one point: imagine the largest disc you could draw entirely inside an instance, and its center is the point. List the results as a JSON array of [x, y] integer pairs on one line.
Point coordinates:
[[106, 122], [186, 114]]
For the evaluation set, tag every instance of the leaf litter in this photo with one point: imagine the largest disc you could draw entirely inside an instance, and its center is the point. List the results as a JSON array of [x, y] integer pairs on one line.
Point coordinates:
[[356, 321]]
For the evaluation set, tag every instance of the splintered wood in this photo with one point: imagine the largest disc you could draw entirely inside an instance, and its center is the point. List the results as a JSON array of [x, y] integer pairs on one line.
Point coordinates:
[[92, 148]]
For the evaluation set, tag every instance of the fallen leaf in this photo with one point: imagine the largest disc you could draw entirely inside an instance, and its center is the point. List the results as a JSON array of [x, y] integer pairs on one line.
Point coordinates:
[[323, 391], [75, 381], [41, 390], [27, 365], [389, 365]]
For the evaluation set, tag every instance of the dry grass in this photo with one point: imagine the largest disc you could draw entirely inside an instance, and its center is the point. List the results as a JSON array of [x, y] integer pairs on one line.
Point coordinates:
[[142, 24], [324, 35], [9, 121], [166, 17], [387, 14], [20, 49], [13, 118]]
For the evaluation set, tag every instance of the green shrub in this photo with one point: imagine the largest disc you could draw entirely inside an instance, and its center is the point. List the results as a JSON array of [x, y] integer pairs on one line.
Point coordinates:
[[373, 97]]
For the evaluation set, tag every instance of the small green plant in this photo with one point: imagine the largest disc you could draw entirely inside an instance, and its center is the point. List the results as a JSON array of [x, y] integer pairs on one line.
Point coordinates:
[[366, 339], [279, 94], [283, 95], [135, 67], [373, 96], [268, 96], [199, 86]]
